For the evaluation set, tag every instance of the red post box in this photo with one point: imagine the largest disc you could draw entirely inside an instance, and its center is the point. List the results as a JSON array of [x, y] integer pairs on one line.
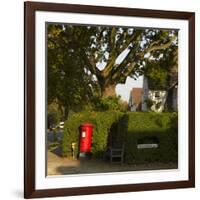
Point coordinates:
[[86, 130]]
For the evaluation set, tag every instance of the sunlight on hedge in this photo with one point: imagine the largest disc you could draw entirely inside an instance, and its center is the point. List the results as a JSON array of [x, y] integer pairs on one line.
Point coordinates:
[[130, 129]]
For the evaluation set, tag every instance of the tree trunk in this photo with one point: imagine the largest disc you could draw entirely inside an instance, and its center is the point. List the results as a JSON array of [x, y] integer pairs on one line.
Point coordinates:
[[109, 90]]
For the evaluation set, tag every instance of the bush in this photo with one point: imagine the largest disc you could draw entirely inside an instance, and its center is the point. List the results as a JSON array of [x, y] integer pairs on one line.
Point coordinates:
[[54, 115], [158, 128], [112, 103], [102, 122], [131, 128]]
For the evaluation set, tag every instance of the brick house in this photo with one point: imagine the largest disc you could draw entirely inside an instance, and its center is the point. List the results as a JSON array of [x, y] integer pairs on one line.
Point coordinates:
[[135, 99]]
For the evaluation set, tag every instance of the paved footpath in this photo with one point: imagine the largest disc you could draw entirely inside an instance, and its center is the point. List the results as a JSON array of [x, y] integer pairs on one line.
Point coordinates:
[[59, 166]]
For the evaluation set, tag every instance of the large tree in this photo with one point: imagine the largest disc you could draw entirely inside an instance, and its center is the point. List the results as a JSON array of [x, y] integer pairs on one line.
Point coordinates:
[[108, 55]]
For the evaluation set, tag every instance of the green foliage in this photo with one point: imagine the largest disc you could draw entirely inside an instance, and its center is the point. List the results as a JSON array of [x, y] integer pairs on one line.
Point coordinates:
[[73, 75], [69, 82], [149, 103], [151, 127], [159, 71], [113, 103], [130, 129], [54, 115], [158, 75], [102, 122]]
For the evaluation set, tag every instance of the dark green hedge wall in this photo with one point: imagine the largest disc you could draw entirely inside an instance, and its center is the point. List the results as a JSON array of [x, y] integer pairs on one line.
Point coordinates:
[[144, 128], [130, 129]]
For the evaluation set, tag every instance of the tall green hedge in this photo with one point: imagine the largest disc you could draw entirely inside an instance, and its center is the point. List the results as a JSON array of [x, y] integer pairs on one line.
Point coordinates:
[[130, 129], [144, 128], [102, 122]]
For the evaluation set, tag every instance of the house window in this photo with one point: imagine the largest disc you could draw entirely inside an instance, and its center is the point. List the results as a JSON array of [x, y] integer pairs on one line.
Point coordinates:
[[157, 94]]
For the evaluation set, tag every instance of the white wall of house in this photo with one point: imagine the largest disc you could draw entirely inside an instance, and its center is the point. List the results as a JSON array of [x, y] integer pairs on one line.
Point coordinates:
[[159, 98], [133, 108]]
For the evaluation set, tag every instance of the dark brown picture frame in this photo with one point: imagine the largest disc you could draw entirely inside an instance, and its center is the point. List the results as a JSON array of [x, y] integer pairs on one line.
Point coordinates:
[[29, 107]]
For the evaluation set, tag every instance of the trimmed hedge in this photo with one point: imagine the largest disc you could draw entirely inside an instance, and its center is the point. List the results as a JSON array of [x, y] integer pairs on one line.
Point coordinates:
[[102, 122], [144, 128], [131, 129]]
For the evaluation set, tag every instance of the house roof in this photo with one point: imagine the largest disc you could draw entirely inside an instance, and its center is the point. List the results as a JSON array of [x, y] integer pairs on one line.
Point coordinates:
[[136, 94]]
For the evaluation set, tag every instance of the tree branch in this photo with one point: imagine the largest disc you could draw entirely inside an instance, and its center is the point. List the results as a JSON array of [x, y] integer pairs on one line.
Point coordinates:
[[112, 37], [112, 58], [109, 66], [158, 47], [173, 85], [135, 36], [90, 61], [129, 69]]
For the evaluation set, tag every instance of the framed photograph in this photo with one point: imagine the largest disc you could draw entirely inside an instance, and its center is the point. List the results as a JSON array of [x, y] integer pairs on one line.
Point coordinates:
[[109, 100]]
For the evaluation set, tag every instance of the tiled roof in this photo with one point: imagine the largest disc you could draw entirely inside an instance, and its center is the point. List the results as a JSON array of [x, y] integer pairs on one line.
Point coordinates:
[[137, 95]]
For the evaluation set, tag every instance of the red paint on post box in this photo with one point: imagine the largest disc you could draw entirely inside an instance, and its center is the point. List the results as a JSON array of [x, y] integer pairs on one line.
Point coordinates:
[[86, 130]]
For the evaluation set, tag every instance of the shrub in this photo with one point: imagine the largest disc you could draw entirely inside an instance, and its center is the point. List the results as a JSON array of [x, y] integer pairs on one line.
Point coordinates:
[[139, 128], [54, 115], [131, 128], [112, 103], [102, 122]]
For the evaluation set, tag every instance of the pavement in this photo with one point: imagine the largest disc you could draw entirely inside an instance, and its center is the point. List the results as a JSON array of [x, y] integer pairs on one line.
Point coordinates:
[[58, 165]]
